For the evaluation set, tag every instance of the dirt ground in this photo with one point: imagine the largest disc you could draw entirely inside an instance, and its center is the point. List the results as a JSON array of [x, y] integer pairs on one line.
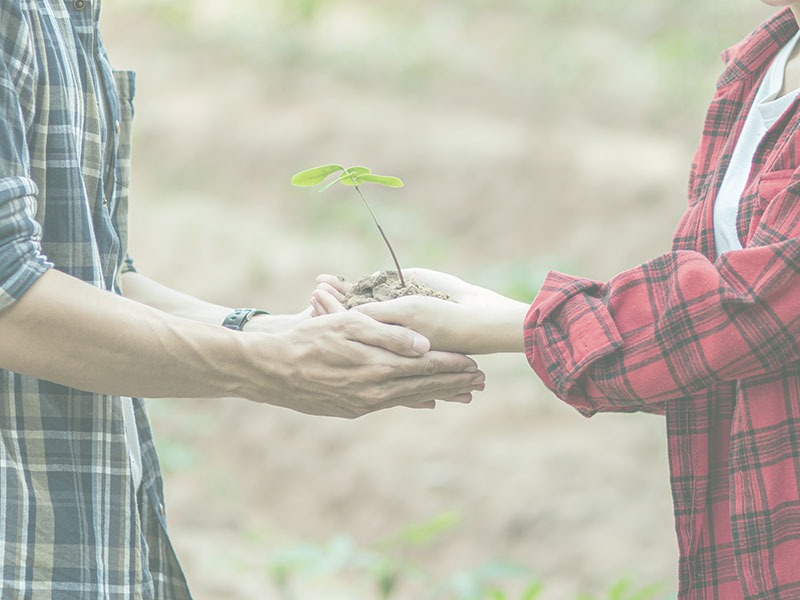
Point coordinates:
[[505, 178]]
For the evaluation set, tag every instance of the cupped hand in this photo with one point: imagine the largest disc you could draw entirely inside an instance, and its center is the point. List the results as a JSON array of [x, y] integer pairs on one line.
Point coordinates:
[[477, 321], [348, 365]]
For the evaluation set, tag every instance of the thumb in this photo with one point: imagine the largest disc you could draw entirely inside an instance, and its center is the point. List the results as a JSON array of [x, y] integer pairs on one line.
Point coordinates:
[[389, 311], [393, 338]]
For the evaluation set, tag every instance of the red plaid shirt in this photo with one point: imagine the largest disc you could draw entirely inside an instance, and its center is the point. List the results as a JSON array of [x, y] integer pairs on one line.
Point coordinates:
[[712, 342]]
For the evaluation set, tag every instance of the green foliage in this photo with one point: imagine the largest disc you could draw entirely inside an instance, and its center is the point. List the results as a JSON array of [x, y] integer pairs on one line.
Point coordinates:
[[303, 11], [384, 571], [421, 534], [624, 590], [352, 176], [488, 582]]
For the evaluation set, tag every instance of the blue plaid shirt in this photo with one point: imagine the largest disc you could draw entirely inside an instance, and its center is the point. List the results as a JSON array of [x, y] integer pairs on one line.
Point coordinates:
[[72, 524]]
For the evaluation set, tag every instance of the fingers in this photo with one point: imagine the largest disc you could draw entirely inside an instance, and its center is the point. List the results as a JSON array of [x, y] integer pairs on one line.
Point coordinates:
[[461, 395], [340, 297], [442, 386], [393, 338], [325, 302], [337, 283], [429, 404], [392, 311], [461, 398]]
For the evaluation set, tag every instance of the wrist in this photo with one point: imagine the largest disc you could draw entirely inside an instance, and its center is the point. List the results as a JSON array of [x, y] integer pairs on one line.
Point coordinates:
[[239, 317], [502, 328], [262, 369]]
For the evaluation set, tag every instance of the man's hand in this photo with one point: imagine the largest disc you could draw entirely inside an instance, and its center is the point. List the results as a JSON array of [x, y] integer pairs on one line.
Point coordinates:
[[478, 321], [348, 365]]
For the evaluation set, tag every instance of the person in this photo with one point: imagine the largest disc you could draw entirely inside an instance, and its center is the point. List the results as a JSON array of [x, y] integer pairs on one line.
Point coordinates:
[[83, 335], [707, 334]]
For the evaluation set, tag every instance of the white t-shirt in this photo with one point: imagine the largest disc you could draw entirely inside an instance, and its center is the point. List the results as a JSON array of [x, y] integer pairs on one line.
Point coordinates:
[[766, 110]]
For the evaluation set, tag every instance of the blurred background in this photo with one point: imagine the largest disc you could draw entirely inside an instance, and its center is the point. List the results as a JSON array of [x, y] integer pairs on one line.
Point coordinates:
[[531, 135]]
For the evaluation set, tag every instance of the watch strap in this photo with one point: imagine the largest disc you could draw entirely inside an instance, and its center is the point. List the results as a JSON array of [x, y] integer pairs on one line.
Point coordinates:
[[239, 317]]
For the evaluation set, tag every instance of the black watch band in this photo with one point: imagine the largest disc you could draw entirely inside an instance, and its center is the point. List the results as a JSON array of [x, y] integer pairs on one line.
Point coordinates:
[[237, 319]]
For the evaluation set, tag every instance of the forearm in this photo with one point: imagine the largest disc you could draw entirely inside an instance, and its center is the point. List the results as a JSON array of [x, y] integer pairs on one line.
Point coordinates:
[[505, 328], [151, 293], [666, 329], [71, 333], [68, 332], [484, 329]]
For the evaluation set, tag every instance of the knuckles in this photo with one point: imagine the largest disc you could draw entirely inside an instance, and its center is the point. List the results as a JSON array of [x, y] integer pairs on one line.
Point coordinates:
[[431, 367]]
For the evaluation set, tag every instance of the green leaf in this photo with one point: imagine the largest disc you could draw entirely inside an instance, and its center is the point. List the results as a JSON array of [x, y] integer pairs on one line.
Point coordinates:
[[315, 175], [387, 180]]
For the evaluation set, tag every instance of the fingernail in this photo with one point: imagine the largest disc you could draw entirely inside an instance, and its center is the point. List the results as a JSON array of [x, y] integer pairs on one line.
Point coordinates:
[[420, 344]]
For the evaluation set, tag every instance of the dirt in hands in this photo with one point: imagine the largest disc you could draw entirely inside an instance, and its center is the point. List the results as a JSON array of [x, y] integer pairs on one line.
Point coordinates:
[[385, 285]]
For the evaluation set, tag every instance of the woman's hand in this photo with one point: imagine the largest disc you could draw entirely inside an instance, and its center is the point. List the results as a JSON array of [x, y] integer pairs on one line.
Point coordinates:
[[478, 321]]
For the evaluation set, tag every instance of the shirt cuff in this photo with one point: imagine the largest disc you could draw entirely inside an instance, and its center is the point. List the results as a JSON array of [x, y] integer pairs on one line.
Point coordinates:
[[567, 329]]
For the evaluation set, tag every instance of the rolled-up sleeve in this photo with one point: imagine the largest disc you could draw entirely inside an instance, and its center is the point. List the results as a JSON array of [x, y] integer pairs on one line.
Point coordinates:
[[672, 326], [21, 258]]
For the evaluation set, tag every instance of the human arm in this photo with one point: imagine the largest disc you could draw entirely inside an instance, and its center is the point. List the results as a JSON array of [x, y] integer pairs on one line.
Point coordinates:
[[676, 324], [666, 329], [156, 295], [672, 326], [73, 334], [152, 293], [60, 329]]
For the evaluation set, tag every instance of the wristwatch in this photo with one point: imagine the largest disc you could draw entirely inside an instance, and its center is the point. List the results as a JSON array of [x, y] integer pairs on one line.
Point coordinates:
[[237, 319]]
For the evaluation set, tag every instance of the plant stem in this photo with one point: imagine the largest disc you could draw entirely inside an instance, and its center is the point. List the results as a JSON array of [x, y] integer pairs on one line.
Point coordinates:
[[385, 239]]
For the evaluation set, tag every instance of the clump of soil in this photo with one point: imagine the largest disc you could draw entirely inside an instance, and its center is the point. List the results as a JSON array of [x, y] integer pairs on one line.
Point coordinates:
[[385, 285]]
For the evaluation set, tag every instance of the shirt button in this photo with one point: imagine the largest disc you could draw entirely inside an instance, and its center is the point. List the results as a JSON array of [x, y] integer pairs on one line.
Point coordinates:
[[116, 126], [79, 4]]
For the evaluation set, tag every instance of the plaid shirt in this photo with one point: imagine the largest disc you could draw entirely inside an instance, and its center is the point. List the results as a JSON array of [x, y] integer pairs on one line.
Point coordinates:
[[71, 522], [711, 341]]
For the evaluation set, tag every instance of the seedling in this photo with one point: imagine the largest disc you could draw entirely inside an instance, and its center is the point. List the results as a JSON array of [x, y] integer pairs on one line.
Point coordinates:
[[352, 176]]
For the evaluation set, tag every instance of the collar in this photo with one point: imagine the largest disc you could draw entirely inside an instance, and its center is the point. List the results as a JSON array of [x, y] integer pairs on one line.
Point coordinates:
[[754, 54]]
